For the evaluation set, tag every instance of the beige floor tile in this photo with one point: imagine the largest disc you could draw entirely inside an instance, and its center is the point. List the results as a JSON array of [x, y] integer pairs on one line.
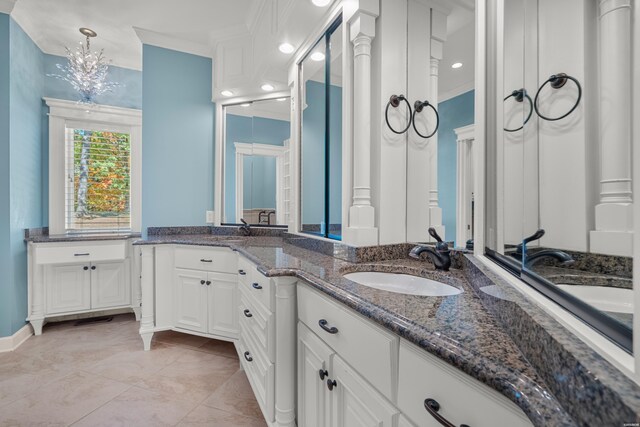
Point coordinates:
[[235, 396], [206, 416], [133, 366], [61, 402], [194, 375], [178, 338], [223, 348], [139, 407]]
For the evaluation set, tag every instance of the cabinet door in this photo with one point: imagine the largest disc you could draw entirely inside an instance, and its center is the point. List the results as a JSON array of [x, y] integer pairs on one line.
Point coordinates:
[[109, 285], [67, 288], [354, 403], [190, 309], [223, 304], [313, 357]]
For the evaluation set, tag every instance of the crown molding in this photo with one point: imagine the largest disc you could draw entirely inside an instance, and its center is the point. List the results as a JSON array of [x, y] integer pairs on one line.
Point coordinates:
[[456, 91], [168, 42], [6, 6]]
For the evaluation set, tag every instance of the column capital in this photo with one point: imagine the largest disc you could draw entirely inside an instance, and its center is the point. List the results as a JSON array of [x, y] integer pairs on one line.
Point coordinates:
[[607, 6], [362, 24]]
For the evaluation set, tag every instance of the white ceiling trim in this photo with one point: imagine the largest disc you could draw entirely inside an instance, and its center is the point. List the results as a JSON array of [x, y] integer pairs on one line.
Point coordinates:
[[458, 90], [161, 40], [6, 6]]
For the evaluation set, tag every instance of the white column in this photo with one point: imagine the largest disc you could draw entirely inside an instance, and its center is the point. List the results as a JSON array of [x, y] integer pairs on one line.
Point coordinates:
[[286, 338], [361, 230], [614, 215], [464, 184], [36, 283], [438, 36]]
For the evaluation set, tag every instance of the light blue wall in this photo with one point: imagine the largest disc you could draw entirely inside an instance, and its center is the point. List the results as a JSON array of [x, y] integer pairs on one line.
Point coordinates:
[[128, 94], [454, 113], [177, 138], [6, 286], [256, 130], [313, 156], [21, 86]]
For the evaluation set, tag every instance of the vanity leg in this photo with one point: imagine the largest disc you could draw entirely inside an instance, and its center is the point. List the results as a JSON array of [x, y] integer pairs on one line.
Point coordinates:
[[36, 324], [137, 311], [146, 339]]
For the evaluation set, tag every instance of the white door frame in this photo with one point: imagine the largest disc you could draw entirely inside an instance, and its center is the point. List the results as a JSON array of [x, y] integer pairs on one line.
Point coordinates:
[[464, 183], [245, 149]]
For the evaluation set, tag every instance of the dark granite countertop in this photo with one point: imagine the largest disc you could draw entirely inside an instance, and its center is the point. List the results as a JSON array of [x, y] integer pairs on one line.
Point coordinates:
[[457, 329], [55, 238]]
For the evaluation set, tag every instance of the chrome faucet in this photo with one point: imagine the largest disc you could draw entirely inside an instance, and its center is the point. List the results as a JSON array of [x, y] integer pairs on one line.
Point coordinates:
[[245, 229], [439, 254]]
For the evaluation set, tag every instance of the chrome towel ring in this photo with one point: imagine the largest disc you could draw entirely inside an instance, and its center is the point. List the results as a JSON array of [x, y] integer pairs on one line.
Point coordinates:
[[519, 95], [394, 102], [557, 81], [417, 108]]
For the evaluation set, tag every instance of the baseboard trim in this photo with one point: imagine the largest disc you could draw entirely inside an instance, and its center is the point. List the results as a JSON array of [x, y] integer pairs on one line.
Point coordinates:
[[14, 341]]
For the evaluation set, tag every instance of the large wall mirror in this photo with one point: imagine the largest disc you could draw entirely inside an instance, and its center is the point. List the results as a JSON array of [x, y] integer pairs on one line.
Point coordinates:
[[256, 162], [321, 143], [559, 206]]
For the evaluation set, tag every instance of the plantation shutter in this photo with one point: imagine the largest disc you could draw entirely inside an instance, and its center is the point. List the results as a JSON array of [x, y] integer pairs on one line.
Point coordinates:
[[98, 180]]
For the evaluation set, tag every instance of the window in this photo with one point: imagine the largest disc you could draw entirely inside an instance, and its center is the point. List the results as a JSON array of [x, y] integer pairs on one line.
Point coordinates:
[[98, 165], [94, 168]]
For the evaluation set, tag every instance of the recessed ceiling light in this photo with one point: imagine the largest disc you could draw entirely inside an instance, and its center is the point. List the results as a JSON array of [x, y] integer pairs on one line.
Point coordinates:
[[286, 48], [281, 99], [267, 87], [226, 93], [456, 65], [321, 3], [317, 56], [246, 104]]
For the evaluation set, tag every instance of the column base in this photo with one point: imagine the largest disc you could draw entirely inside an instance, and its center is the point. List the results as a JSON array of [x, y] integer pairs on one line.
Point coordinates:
[[146, 340], [354, 236], [435, 221], [614, 217], [37, 324], [619, 243]]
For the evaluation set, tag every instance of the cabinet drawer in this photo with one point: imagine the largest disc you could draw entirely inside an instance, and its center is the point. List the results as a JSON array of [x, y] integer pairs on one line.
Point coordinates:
[[373, 351], [258, 286], [70, 253], [207, 259], [462, 399], [261, 375], [258, 322]]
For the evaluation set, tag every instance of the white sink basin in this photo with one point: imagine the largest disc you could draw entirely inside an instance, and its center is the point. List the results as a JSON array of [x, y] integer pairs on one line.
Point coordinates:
[[403, 284], [613, 300]]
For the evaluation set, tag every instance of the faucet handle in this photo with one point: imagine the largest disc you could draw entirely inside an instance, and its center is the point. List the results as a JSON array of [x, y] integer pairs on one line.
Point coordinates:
[[433, 233], [243, 221], [535, 236]]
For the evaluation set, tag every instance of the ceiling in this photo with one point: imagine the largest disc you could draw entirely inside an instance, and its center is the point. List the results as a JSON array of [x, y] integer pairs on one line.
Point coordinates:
[[242, 36]]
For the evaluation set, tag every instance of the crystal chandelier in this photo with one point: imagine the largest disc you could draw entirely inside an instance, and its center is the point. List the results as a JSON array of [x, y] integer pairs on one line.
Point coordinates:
[[86, 71]]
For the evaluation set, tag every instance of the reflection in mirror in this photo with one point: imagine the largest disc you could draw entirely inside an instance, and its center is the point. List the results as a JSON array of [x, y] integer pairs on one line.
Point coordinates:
[[321, 145], [455, 137], [255, 167], [562, 196]]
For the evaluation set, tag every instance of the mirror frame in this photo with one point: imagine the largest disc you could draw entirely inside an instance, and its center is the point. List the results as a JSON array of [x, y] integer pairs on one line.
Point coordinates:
[[219, 152]]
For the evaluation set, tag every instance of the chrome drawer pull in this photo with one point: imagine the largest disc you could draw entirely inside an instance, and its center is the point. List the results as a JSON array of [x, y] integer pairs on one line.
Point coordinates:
[[247, 313], [85, 254], [256, 286], [248, 357], [324, 325], [206, 260], [432, 407]]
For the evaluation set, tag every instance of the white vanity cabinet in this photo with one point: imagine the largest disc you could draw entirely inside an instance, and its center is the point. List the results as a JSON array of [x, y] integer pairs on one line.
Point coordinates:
[[68, 278], [351, 372]]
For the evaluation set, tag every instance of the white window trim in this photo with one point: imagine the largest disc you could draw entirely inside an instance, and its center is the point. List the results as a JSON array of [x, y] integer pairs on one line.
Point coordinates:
[[62, 113]]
